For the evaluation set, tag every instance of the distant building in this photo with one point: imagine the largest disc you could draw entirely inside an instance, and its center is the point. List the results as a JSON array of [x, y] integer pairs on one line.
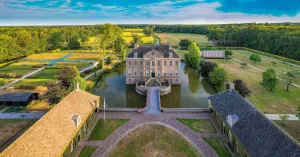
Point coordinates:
[[153, 61], [213, 54], [249, 132], [17, 99], [58, 132]]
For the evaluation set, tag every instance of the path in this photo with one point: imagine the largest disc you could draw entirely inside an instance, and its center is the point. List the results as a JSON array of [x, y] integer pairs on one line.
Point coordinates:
[[277, 116], [153, 101], [296, 85], [20, 79], [138, 120], [13, 115], [99, 71]]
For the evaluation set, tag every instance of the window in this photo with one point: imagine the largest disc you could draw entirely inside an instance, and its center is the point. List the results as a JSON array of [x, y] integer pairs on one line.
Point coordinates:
[[135, 55], [147, 64], [141, 62], [84, 127], [153, 63], [170, 55], [165, 63], [129, 63], [165, 73], [230, 136], [78, 137], [134, 62], [170, 71], [141, 72], [236, 146], [129, 71], [147, 72], [170, 63], [176, 62], [176, 71], [158, 63], [135, 72], [158, 72], [72, 146], [176, 80]]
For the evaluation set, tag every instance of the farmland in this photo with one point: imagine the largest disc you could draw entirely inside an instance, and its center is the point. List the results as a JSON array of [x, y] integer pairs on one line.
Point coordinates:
[[174, 38]]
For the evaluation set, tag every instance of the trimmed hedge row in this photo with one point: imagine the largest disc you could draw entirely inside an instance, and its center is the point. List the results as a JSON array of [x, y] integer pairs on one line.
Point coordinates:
[[284, 59]]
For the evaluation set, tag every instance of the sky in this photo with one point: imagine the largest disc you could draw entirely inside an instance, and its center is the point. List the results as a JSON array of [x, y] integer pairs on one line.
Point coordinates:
[[88, 12]]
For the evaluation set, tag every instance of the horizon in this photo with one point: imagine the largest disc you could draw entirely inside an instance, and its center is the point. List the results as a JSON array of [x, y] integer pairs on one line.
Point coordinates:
[[83, 12]]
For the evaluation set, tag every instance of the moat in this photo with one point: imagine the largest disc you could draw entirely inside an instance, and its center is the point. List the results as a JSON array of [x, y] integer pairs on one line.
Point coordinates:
[[192, 93]]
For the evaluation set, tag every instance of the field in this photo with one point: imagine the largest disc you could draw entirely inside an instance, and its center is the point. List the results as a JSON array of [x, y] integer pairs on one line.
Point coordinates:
[[278, 101], [11, 128], [174, 38], [217, 145], [155, 140], [199, 125]]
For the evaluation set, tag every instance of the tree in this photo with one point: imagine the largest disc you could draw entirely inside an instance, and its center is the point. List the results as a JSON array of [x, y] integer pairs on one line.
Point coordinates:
[[218, 78], [255, 58], [55, 40], [56, 91], [288, 78], [67, 75], [298, 112], [136, 40], [207, 67], [119, 45], [270, 80], [184, 44], [283, 119], [241, 88], [148, 31], [194, 55], [228, 53], [108, 60], [74, 44], [81, 81]]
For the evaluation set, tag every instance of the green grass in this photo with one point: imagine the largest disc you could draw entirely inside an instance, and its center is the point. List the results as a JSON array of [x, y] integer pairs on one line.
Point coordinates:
[[4, 122], [174, 38], [47, 73], [1, 108], [199, 125], [12, 109], [103, 129], [276, 102], [292, 127], [87, 151], [217, 145], [155, 140]]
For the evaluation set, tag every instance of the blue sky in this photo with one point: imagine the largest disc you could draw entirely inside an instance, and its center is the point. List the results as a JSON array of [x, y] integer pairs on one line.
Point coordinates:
[[59, 12]]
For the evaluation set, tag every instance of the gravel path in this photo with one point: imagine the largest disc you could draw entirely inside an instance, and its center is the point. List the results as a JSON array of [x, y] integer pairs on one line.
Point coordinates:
[[277, 116], [138, 120]]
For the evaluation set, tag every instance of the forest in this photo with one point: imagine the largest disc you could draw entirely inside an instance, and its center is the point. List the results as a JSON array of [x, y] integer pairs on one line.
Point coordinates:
[[280, 39]]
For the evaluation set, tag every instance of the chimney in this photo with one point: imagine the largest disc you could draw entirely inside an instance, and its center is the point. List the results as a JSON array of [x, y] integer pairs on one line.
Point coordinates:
[[137, 45], [76, 119], [232, 120], [76, 86]]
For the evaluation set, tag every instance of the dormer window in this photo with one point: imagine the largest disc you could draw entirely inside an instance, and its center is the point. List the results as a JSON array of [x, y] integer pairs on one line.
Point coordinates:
[[170, 55], [135, 55], [76, 120]]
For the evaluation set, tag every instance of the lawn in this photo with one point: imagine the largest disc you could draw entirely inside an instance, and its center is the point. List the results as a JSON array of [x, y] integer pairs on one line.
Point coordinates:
[[217, 145], [145, 39], [276, 102], [47, 73], [21, 68], [1, 108], [199, 125], [46, 56], [133, 30], [87, 56], [103, 129], [174, 38], [87, 151], [292, 127], [10, 128], [266, 63], [154, 140]]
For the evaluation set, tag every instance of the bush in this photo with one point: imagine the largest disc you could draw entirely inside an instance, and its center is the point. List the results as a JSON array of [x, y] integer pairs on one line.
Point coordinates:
[[255, 58], [108, 61], [25, 87]]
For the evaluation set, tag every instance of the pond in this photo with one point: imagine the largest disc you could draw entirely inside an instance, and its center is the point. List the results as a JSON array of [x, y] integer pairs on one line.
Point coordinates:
[[192, 93]]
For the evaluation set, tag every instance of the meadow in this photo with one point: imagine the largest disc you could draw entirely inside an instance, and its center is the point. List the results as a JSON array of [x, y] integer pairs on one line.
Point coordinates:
[[174, 38]]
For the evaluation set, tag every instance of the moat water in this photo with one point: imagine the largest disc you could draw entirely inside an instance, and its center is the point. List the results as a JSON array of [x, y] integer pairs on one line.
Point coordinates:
[[192, 93]]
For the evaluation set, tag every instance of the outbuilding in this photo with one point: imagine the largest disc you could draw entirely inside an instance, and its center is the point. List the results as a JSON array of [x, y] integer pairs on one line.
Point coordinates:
[[213, 54], [17, 99]]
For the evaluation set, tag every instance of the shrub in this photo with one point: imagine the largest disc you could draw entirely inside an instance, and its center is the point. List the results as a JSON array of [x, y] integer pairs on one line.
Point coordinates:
[[255, 58]]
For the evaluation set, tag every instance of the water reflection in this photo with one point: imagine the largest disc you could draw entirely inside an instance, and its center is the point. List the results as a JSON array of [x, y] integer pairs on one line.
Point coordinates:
[[192, 93]]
